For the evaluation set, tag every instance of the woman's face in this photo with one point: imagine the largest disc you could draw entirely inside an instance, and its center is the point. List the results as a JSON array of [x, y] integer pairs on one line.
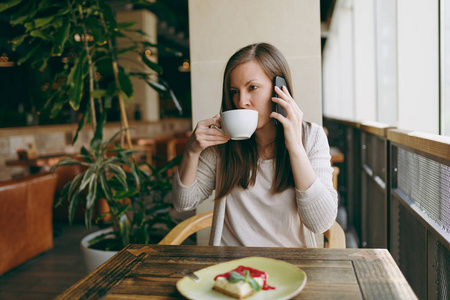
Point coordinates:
[[251, 88]]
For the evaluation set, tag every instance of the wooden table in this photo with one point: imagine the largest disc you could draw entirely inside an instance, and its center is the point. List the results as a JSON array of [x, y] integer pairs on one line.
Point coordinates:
[[151, 272]]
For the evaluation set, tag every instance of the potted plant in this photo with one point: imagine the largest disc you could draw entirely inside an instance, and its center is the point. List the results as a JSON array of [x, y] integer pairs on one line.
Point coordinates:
[[135, 197], [83, 33]]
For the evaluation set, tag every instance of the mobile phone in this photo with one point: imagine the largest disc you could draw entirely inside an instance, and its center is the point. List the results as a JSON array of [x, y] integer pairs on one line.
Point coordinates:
[[279, 82]]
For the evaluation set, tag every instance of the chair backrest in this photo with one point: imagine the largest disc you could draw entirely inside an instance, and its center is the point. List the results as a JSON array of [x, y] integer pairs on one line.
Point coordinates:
[[335, 235], [188, 227], [336, 172]]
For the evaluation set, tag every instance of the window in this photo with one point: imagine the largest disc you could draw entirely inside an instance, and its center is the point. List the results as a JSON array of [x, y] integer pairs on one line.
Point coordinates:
[[445, 68], [386, 49]]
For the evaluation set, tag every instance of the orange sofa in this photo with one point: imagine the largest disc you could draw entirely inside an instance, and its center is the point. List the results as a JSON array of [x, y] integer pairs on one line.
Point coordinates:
[[25, 219]]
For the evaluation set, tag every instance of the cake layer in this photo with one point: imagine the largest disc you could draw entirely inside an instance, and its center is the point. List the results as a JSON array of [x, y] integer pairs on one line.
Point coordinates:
[[240, 289]]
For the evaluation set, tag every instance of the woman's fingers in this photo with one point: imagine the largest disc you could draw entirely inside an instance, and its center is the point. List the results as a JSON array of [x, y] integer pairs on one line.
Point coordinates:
[[290, 110], [293, 121], [214, 121], [292, 124], [278, 116], [286, 96], [293, 103], [207, 133], [287, 102], [208, 140], [284, 93]]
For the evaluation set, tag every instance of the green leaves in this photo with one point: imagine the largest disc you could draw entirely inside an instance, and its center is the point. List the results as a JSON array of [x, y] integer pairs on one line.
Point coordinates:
[[60, 37], [255, 286], [125, 228], [16, 42], [43, 21], [154, 66], [8, 4], [136, 199], [39, 34], [32, 52], [76, 80], [235, 277], [126, 25], [98, 93], [96, 141], [125, 83], [100, 37], [84, 34]]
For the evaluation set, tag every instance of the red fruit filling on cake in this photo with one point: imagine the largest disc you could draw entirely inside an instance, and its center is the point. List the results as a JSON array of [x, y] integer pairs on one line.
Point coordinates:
[[241, 282]]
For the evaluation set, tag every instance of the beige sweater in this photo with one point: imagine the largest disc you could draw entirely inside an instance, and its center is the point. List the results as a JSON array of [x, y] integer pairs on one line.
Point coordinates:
[[255, 224]]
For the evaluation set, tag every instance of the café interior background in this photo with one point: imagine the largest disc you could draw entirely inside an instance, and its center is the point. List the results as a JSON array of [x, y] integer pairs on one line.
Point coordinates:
[[380, 60]]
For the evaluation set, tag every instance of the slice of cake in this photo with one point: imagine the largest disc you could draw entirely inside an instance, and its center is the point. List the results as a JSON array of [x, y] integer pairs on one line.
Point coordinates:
[[241, 282]]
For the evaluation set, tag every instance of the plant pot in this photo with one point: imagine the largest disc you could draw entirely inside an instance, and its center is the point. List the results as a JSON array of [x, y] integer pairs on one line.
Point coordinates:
[[94, 258]]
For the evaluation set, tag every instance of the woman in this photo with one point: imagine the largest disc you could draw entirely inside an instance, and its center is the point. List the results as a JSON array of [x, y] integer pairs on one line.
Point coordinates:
[[274, 189]]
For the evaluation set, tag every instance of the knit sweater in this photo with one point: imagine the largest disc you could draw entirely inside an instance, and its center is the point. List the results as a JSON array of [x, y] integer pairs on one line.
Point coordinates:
[[316, 207]]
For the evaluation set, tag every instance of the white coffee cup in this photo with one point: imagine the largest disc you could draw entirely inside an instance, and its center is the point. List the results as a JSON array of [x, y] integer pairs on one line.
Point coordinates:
[[239, 124]]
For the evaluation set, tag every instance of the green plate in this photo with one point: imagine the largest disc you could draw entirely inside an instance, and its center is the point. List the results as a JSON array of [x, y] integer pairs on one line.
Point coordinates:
[[287, 279]]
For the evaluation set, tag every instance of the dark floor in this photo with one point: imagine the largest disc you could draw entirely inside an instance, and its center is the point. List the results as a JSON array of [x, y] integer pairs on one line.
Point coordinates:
[[52, 272]]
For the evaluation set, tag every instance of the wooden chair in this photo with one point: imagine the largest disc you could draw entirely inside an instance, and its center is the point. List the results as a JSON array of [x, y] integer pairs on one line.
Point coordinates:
[[187, 227], [335, 235], [335, 177]]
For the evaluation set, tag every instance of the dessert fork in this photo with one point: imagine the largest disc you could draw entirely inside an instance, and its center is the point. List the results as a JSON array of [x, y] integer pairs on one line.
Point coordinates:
[[190, 274]]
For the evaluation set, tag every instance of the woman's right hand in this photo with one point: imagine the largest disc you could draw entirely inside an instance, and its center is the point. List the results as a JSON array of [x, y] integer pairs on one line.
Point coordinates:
[[205, 135]]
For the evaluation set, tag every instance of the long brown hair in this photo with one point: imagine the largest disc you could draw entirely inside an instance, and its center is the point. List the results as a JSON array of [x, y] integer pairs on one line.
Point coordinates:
[[239, 159]]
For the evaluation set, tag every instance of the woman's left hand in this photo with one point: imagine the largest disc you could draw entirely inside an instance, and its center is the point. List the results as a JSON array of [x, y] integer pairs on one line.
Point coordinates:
[[292, 123]]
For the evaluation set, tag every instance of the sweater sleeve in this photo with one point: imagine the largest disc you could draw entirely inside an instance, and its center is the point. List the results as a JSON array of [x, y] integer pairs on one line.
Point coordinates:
[[189, 197], [318, 204]]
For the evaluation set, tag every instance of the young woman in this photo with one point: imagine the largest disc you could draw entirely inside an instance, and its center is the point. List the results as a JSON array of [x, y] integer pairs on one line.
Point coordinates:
[[274, 189]]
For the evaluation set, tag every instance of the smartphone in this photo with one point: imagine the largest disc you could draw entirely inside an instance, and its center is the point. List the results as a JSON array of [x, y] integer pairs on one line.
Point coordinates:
[[279, 82]]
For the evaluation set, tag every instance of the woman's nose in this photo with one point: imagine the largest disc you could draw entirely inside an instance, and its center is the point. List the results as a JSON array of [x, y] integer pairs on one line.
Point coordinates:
[[244, 100]]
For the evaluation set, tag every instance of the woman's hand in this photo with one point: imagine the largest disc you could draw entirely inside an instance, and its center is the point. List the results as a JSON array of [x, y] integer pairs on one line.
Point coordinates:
[[303, 172], [292, 123], [205, 136]]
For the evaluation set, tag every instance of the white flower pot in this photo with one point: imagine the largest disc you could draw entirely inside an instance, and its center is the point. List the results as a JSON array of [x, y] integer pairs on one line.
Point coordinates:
[[94, 258]]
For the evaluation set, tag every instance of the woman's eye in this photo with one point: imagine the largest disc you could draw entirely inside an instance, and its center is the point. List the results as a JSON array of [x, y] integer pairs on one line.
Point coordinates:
[[233, 92], [253, 87]]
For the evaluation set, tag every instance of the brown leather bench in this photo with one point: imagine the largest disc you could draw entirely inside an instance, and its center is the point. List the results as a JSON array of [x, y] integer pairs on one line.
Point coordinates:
[[25, 219]]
